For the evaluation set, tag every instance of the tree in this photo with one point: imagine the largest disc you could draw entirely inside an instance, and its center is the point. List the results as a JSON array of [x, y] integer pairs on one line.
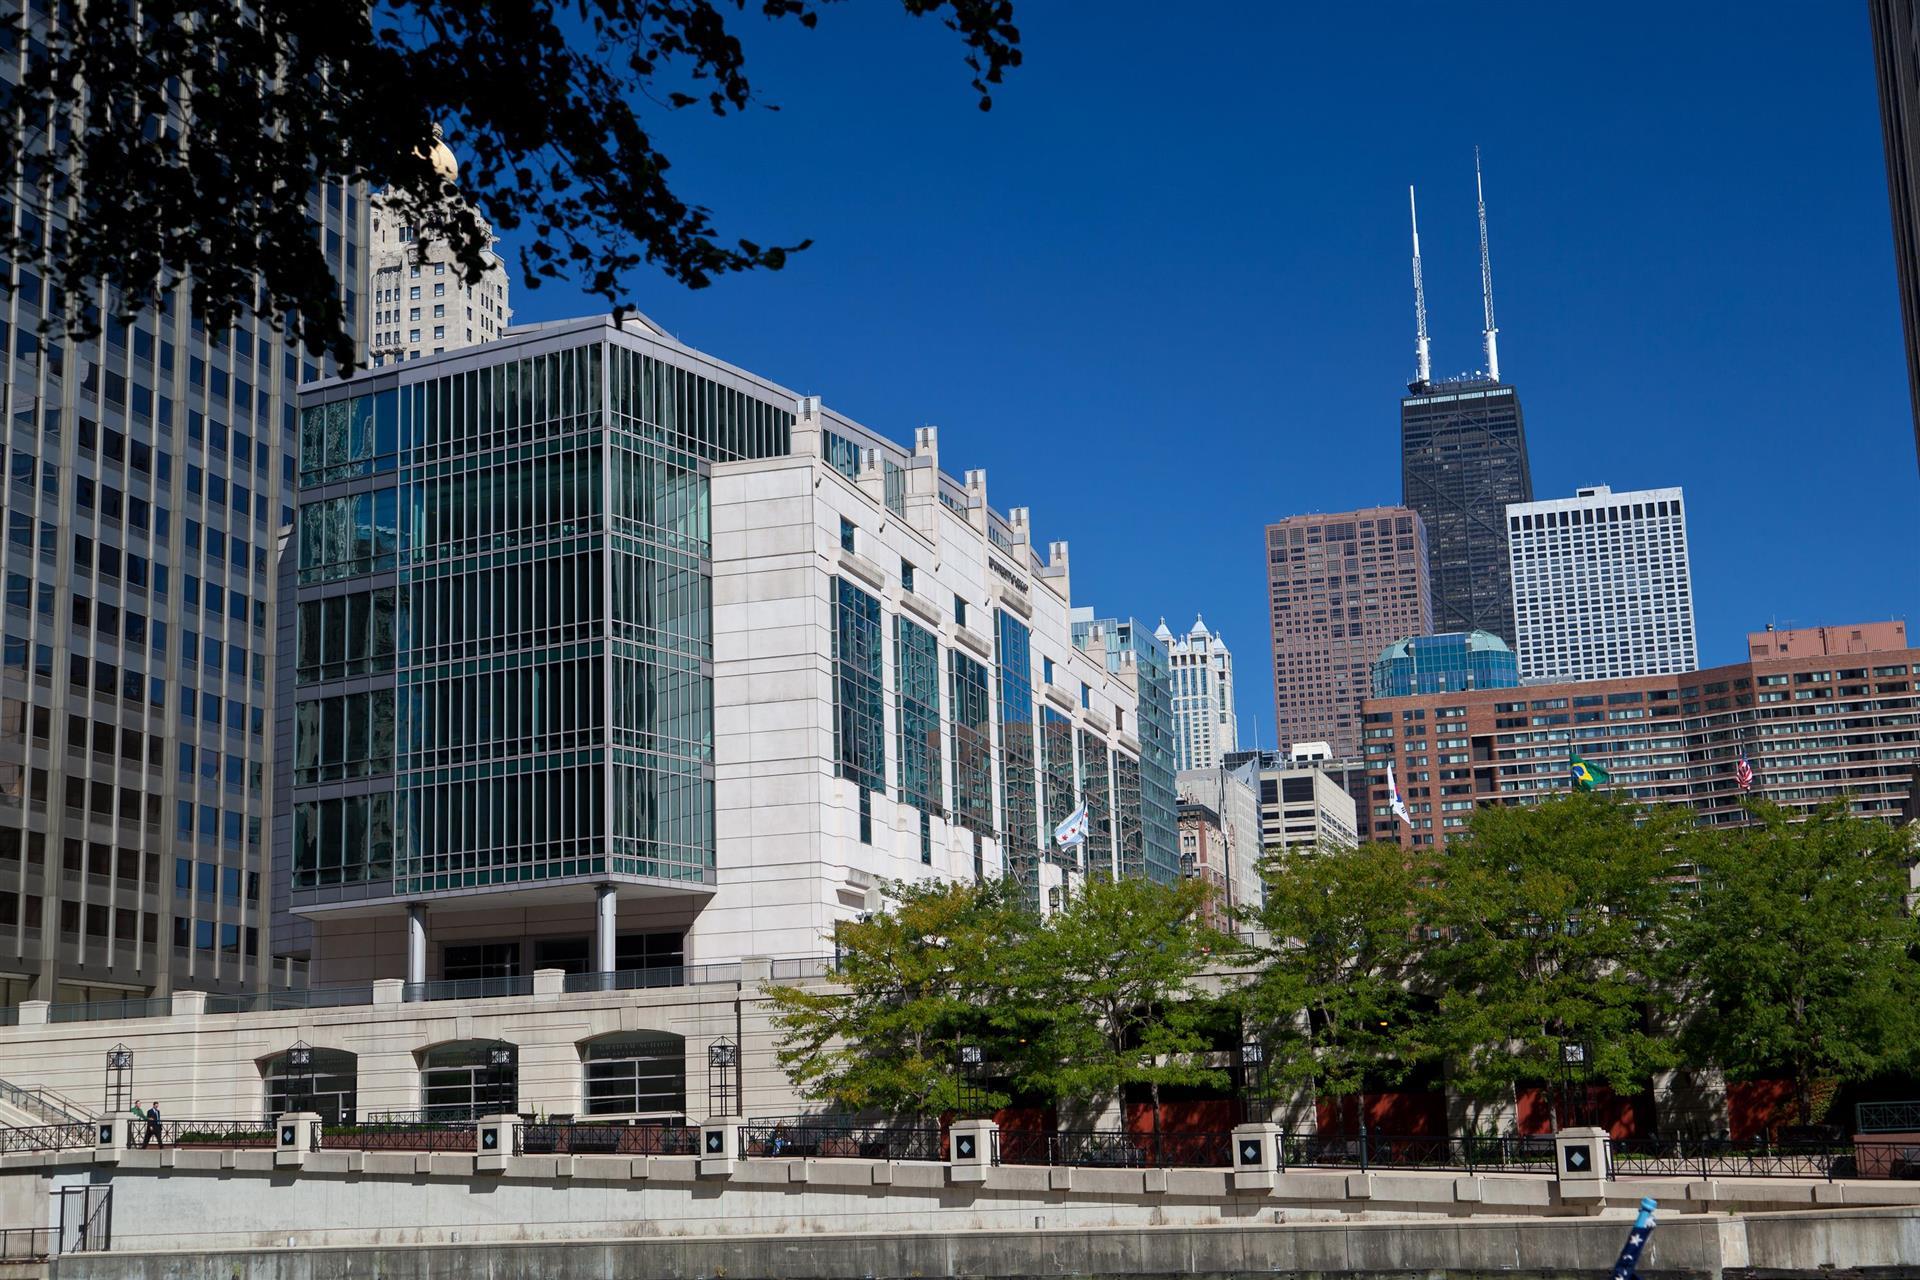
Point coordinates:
[[176, 143], [1801, 948], [1332, 1000], [912, 983], [1554, 918], [1107, 993]]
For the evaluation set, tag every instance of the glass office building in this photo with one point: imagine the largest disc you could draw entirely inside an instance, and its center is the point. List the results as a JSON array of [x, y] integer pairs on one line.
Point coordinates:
[[1150, 847], [1445, 663]]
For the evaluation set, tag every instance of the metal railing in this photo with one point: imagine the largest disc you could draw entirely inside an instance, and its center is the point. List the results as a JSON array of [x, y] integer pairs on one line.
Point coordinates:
[[585, 1138], [1721, 1157], [413, 1135], [27, 1244], [111, 1010], [206, 1133], [457, 1115], [857, 1142], [672, 975], [468, 988], [47, 1137], [329, 997], [1886, 1117], [45, 1103], [1114, 1149], [1416, 1151]]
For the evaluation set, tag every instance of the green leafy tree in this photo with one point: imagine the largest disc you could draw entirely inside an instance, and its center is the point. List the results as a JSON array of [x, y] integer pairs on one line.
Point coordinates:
[[1107, 993], [912, 984], [1554, 919], [175, 144], [1333, 997], [1800, 947]]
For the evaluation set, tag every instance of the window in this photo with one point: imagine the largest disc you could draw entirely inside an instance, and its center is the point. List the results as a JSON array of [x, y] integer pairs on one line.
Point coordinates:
[[846, 534], [634, 1073], [906, 576], [959, 612], [1046, 670], [468, 1079], [327, 1083]]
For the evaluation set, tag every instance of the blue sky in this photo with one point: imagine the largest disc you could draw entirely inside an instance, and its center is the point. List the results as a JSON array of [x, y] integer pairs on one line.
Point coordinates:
[[1161, 291]]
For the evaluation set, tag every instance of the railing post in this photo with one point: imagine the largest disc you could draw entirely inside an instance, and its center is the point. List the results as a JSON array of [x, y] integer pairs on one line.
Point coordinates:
[[298, 1134], [498, 1140], [1363, 1146], [1582, 1158], [111, 1139], [719, 1146], [1258, 1155], [970, 1149]]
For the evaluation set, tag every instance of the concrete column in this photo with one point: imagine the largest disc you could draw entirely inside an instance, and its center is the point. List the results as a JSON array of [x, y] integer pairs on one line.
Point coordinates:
[[1582, 1158], [416, 942], [605, 900], [1257, 1155], [973, 1147]]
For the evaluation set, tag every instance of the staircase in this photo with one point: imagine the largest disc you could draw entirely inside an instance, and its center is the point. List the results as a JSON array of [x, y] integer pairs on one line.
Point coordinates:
[[26, 1107]]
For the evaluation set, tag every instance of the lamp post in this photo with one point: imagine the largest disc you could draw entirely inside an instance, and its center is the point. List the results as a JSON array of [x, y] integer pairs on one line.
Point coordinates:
[[300, 1076], [972, 1094], [723, 1065], [1573, 1057], [1253, 1077]]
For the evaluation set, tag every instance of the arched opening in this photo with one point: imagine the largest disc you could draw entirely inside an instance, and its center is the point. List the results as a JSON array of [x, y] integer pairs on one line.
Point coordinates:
[[327, 1082], [635, 1073], [467, 1079]]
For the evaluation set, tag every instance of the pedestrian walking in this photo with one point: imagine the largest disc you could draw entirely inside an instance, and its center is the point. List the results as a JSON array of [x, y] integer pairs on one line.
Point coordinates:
[[153, 1126]]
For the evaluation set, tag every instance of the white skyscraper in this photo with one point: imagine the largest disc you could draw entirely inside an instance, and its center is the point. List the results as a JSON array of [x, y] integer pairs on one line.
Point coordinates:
[[1205, 728], [1601, 587]]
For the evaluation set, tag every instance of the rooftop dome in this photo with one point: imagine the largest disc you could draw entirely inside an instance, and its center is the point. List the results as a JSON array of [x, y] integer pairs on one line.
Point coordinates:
[[440, 155]]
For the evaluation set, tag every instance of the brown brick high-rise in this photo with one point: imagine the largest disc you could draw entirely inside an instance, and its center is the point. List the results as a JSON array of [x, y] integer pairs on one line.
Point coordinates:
[[1341, 588]]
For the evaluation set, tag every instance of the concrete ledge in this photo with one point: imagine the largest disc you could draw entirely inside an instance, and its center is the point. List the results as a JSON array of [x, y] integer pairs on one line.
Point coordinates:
[[1060, 1179], [1469, 1190]]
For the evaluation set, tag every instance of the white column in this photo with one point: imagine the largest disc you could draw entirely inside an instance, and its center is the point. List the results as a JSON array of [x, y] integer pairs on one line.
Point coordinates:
[[604, 903], [416, 942]]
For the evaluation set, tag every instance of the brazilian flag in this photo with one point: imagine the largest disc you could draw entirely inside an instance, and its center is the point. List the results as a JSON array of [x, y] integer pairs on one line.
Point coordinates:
[[1586, 774]]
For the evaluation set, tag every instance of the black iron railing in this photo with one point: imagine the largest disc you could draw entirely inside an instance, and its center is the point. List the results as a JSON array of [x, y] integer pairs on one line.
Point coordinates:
[[456, 1114], [27, 1244], [1416, 1151], [1721, 1157], [1886, 1117], [206, 1133], [1114, 1149], [468, 989], [417, 1135], [46, 1137], [585, 1138], [45, 1103], [860, 1142]]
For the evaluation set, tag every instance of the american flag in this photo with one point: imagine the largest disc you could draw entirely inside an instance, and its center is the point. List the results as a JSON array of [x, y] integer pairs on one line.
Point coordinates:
[[1743, 774]]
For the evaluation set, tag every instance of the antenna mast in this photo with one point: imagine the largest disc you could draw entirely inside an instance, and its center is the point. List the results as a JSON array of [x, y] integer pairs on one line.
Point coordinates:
[[1422, 355], [1492, 333]]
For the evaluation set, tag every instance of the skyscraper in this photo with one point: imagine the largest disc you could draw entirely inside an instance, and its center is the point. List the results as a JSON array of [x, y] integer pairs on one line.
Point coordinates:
[[422, 301], [1601, 585], [1131, 651], [1341, 588], [1896, 58], [1463, 458], [1204, 725], [149, 488], [1451, 660]]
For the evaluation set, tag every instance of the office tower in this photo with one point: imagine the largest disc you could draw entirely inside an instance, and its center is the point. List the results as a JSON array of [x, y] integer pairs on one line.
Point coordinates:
[[1814, 724], [1341, 588], [1601, 586], [1450, 660], [651, 662], [1130, 651], [1896, 59], [148, 488], [421, 301], [1463, 458], [1304, 806], [1232, 794], [1205, 727]]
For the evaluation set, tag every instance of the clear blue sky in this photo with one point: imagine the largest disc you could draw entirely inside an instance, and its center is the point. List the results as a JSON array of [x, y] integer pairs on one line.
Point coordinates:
[[1161, 291]]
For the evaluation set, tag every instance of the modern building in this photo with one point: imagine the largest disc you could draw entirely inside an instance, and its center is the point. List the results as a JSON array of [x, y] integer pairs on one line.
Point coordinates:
[[1463, 459], [1205, 727], [1826, 642], [422, 301], [1601, 585], [1232, 793], [1205, 855], [1812, 726], [1131, 652], [1341, 588], [1896, 58], [1452, 660], [650, 662], [1305, 807], [149, 485]]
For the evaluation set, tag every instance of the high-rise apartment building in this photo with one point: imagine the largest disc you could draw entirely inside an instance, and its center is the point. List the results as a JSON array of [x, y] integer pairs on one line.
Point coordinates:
[[1452, 660], [1601, 585], [1812, 726], [1896, 58], [422, 303], [1801, 642], [651, 662], [1205, 727], [149, 485], [1463, 459], [1341, 588]]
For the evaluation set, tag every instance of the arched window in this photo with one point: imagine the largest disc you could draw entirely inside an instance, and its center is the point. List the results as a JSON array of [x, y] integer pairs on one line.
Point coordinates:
[[468, 1079], [635, 1073], [329, 1083]]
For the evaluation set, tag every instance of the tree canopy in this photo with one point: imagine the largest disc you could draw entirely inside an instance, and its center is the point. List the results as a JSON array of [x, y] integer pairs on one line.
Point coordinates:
[[179, 141]]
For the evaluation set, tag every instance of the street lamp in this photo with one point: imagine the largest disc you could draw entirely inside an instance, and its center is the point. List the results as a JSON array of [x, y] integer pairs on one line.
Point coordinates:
[[972, 1093], [1573, 1058]]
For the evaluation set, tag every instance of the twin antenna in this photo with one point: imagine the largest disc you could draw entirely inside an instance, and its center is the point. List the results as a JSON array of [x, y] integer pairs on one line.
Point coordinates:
[[1422, 352]]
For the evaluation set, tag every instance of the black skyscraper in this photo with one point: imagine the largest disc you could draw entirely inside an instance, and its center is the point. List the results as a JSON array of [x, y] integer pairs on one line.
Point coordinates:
[[1896, 57], [1463, 458]]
